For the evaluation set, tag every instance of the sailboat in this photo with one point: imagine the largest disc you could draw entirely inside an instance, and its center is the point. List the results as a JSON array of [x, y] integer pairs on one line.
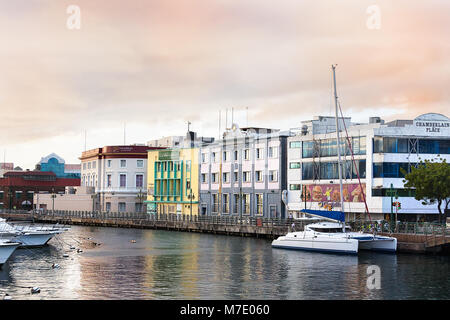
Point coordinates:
[[334, 236]]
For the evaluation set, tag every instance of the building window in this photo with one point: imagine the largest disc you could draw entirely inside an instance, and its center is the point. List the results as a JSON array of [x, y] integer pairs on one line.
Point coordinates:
[[214, 177], [247, 154], [225, 156], [246, 198], [226, 177], [259, 203], [295, 144], [246, 176], [108, 206], [138, 207], [294, 165], [236, 155], [84, 166], [188, 166], [123, 163], [295, 187], [139, 180], [108, 180], [259, 153], [235, 203], [225, 203], [258, 176], [236, 176], [213, 157], [109, 163], [215, 200], [122, 207], [140, 163], [122, 180], [273, 176], [89, 165], [203, 157], [273, 152], [204, 178]]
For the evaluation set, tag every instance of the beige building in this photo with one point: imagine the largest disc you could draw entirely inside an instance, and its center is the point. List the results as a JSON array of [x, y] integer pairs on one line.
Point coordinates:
[[73, 199]]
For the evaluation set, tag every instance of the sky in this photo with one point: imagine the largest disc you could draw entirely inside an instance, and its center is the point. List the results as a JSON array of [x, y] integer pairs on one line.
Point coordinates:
[[147, 67]]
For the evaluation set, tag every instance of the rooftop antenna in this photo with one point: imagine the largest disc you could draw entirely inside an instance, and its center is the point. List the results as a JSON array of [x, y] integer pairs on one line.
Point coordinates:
[[124, 133], [219, 124], [247, 115], [226, 119], [232, 120]]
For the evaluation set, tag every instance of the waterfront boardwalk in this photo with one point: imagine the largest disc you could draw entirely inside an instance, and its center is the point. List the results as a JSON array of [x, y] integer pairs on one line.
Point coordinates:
[[411, 237]]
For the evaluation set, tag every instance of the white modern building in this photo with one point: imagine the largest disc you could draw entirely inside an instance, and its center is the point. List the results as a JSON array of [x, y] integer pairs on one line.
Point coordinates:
[[380, 151]]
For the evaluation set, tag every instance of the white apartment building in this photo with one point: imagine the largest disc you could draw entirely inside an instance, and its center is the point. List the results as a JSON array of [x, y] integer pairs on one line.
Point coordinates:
[[119, 176], [380, 150]]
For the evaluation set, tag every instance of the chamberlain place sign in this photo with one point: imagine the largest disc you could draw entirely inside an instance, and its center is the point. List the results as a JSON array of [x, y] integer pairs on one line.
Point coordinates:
[[432, 126], [432, 123]]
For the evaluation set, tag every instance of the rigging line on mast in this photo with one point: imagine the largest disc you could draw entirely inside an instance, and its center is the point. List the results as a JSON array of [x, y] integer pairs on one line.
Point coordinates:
[[354, 163]]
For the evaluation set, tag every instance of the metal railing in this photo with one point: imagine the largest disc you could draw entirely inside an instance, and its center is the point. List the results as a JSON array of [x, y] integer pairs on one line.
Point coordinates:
[[246, 220], [418, 228]]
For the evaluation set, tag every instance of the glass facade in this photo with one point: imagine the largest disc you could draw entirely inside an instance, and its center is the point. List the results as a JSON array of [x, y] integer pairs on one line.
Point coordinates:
[[385, 192], [390, 169], [403, 145], [329, 170], [328, 147]]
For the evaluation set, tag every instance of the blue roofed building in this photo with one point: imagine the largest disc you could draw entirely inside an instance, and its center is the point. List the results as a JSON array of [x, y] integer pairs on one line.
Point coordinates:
[[56, 164]]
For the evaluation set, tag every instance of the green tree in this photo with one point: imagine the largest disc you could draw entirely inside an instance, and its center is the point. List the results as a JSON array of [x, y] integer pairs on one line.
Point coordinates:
[[431, 181]]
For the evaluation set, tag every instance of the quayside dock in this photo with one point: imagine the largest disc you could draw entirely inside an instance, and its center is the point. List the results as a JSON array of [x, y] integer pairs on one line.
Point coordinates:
[[412, 237]]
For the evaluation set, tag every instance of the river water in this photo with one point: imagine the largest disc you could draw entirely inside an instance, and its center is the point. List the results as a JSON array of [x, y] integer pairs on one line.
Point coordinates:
[[154, 264]]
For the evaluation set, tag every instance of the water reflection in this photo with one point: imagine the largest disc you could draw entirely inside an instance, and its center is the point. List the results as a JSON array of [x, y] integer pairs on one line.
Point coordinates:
[[154, 264]]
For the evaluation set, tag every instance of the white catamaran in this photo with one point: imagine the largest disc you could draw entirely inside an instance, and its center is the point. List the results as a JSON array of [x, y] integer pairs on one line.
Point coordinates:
[[334, 237]]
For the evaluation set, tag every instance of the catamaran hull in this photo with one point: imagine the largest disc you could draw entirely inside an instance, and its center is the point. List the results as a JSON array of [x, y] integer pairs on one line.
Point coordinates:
[[34, 239], [6, 250], [380, 244], [345, 246]]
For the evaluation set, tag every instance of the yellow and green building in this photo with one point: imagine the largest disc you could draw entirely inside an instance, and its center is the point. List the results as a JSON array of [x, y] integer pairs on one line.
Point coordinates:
[[173, 181]]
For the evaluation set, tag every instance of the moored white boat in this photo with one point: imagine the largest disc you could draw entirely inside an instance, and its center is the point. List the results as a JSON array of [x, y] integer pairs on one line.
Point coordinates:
[[7, 248], [330, 237], [333, 236], [28, 236]]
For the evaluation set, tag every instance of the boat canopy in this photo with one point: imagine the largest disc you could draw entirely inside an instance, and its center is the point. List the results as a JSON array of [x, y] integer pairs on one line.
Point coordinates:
[[334, 215]]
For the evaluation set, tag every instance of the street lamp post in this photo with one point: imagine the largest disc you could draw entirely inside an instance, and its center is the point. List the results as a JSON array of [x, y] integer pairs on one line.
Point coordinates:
[[53, 200], [191, 197], [392, 193], [140, 197]]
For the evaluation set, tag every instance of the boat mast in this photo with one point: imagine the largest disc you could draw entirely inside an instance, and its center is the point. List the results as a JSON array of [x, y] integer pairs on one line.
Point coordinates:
[[338, 146]]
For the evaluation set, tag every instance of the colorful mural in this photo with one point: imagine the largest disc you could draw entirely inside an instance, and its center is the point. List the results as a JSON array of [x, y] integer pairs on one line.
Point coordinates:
[[331, 193]]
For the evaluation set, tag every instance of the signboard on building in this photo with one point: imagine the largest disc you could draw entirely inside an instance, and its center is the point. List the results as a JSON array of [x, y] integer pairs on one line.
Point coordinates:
[[165, 155], [151, 208], [432, 123], [331, 193]]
